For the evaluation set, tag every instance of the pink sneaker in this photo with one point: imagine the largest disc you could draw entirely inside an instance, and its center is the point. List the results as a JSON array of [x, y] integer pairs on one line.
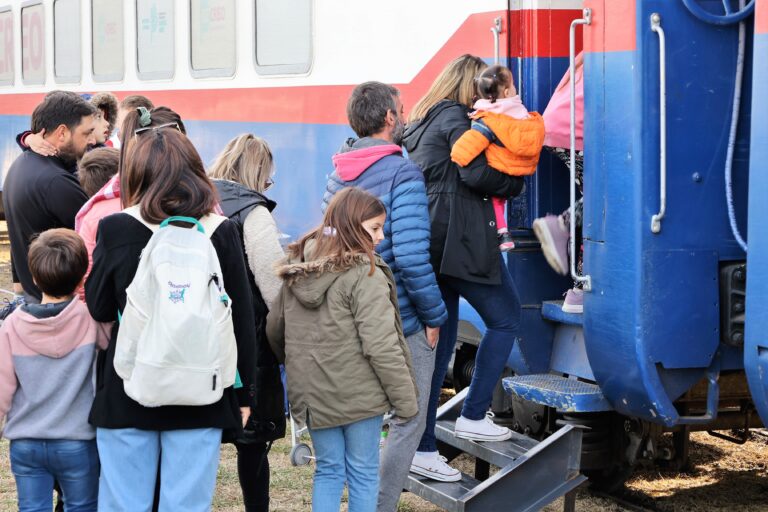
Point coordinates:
[[574, 301], [553, 236]]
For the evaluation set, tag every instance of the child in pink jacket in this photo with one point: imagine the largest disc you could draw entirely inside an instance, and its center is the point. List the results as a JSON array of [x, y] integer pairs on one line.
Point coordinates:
[[47, 354]]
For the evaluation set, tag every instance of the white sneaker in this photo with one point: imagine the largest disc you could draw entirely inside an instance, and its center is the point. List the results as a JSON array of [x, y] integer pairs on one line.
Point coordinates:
[[433, 465], [481, 430]]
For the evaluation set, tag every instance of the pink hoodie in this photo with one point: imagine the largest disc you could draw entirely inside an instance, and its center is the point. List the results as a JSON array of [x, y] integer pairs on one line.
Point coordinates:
[[512, 107], [46, 373], [351, 164], [557, 116]]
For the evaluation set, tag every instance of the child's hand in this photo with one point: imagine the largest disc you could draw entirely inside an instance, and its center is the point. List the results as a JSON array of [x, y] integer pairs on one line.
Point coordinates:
[[39, 145], [245, 413]]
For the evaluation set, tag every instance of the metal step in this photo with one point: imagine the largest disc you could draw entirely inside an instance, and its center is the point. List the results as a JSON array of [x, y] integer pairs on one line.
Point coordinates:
[[531, 473], [553, 310], [556, 391]]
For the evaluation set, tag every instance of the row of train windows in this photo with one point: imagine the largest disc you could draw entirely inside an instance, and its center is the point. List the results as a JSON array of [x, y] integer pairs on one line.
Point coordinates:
[[283, 41]]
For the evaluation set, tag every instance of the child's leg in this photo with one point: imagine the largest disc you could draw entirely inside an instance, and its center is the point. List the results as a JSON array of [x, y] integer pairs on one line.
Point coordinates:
[[129, 460], [189, 460], [76, 467], [362, 461], [330, 472], [499, 204], [34, 483]]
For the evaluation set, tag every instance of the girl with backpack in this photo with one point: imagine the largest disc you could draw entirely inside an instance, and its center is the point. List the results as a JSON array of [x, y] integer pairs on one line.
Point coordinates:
[[337, 326], [242, 174], [162, 176]]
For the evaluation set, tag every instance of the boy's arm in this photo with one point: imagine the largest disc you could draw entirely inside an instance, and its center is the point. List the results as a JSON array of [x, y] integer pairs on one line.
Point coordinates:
[[8, 382], [473, 142]]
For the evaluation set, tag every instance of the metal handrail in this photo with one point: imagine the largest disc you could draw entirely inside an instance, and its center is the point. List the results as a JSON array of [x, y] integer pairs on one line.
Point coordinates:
[[496, 30], [586, 20], [656, 219]]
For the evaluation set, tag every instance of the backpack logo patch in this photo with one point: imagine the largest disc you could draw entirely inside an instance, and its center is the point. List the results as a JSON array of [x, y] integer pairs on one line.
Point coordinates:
[[177, 291]]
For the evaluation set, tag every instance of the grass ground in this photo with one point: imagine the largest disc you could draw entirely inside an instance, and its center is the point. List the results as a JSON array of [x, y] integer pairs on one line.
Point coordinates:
[[724, 477]]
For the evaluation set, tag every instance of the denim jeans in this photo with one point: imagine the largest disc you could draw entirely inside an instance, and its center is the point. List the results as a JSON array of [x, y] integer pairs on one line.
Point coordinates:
[[499, 307], [349, 453], [35, 464], [188, 460]]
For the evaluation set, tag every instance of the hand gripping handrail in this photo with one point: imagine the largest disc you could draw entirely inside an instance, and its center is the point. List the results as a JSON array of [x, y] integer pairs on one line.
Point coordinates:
[[586, 20], [656, 219]]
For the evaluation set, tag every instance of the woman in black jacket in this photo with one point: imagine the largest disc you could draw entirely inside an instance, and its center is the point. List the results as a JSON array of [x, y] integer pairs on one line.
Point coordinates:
[[464, 252], [163, 176], [242, 173]]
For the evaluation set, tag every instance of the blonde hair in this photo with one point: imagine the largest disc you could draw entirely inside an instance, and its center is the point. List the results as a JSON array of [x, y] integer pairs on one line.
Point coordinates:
[[456, 82], [247, 160]]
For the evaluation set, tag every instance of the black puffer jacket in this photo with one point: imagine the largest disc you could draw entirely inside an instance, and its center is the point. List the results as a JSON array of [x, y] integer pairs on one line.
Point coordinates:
[[463, 242], [267, 421]]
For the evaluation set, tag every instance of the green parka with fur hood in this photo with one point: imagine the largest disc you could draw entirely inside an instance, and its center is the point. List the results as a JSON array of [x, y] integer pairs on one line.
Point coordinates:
[[339, 333]]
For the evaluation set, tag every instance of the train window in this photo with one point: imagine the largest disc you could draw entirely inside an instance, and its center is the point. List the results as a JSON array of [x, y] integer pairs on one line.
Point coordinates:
[[66, 41], [283, 36], [155, 38], [107, 40], [212, 24], [6, 46], [33, 44]]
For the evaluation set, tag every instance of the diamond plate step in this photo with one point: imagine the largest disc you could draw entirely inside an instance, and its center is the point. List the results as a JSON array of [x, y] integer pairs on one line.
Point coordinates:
[[553, 310], [562, 393]]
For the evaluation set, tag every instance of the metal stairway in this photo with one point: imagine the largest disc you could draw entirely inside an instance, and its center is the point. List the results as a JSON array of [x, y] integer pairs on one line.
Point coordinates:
[[531, 473]]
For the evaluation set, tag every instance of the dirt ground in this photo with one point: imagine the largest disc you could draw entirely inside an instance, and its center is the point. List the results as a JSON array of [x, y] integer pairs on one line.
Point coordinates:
[[724, 476]]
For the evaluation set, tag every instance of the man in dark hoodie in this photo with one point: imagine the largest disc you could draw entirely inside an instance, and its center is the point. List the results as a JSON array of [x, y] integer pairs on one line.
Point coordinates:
[[375, 163], [42, 192]]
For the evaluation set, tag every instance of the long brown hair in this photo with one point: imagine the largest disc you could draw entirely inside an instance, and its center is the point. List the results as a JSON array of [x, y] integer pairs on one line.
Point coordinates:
[[456, 82], [164, 174], [246, 160], [342, 236]]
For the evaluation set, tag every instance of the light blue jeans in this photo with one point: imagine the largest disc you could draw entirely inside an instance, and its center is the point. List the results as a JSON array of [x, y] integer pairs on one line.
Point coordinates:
[[74, 464], [188, 462], [349, 453]]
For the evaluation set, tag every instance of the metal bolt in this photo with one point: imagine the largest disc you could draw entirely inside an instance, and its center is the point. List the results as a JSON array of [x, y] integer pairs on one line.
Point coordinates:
[[696, 177], [738, 307], [737, 337]]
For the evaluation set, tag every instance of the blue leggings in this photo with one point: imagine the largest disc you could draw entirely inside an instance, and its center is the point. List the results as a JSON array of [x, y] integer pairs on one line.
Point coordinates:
[[499, 307]]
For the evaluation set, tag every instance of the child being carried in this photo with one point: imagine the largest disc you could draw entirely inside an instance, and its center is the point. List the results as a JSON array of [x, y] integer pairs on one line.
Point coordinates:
[[511, 136]]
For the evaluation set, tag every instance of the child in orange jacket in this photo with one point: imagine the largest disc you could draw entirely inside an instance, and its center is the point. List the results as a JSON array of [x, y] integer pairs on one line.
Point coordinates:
[[511, 136]]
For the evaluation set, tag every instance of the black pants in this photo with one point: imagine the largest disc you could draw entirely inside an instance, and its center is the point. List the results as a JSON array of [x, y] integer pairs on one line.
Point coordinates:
[[253, 470]]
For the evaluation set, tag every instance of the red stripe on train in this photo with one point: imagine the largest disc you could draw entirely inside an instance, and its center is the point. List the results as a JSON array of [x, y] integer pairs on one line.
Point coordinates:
[[542, 33], [327, 104], [613, 27]]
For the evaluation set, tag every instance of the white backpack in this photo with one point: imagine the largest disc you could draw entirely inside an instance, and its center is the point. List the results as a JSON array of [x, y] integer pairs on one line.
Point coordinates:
[[176, 343]]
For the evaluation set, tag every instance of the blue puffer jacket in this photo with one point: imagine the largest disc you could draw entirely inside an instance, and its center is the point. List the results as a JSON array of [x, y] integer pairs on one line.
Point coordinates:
[[380, 168]]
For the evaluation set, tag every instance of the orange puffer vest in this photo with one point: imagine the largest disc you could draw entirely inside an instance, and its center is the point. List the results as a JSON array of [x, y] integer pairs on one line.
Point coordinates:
[[512, 146]]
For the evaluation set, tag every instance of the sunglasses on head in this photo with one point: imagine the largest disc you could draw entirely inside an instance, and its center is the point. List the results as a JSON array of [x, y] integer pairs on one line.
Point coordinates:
[[147, 128]]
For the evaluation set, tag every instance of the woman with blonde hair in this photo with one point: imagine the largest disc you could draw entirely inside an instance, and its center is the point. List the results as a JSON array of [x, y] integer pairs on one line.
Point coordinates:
[[467, 260], [242, 173]]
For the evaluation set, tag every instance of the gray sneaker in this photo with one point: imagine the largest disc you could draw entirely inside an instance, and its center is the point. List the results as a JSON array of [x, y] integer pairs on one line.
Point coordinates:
[[553, 236]]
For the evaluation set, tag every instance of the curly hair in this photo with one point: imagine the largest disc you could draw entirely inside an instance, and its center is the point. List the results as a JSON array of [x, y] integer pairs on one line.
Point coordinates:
[[107, 103]]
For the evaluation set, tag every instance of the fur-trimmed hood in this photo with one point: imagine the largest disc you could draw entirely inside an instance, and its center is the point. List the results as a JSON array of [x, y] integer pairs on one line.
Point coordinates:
[[309, 280]]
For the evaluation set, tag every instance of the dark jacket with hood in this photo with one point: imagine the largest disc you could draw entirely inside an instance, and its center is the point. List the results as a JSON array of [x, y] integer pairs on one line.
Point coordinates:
[[267, 421], [464, 240], [339, 332], [379, 168]]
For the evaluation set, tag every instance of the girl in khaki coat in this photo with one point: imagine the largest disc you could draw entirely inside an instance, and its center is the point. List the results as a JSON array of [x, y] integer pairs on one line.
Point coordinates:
[[336, 326]]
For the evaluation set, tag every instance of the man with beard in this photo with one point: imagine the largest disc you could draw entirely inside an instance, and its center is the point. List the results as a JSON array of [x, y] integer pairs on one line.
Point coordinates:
[[375, 163], [42, 192]]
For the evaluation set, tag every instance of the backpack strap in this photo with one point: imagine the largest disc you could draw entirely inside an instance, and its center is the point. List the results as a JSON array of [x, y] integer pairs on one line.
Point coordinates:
[[207, 224], [135, 212]]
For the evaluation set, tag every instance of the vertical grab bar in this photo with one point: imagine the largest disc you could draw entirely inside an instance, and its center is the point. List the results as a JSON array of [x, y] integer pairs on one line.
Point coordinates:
[[586, 20], [656, 219], [496, 29]]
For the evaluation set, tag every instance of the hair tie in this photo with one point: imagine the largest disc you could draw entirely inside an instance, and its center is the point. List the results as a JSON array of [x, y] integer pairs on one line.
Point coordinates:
[[329, 231], [145, 118]]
